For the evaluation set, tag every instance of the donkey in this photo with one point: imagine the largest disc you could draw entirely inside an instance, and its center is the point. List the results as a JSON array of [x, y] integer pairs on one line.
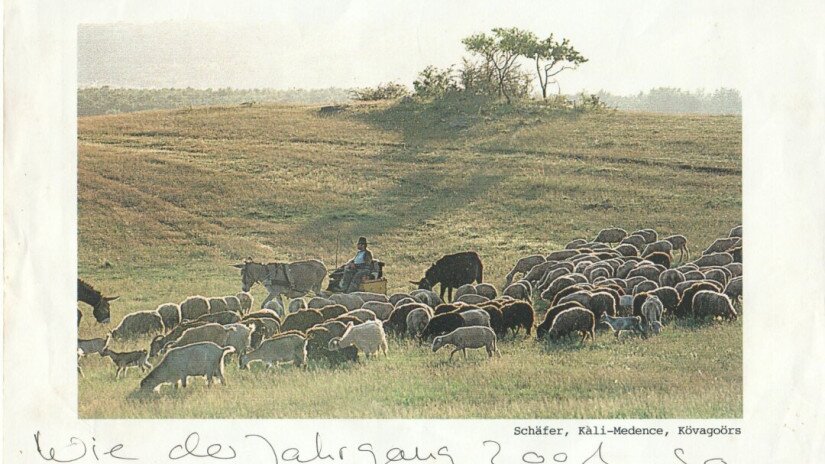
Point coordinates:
[[292, 279], [99, 303]]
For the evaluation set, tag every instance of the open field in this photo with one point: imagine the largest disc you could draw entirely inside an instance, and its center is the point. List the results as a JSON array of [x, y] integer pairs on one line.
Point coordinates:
[[168, 199]]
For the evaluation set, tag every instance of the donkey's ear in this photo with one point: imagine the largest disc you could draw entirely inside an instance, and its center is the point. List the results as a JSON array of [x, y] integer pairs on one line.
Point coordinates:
[[239, 266], [111, 298]]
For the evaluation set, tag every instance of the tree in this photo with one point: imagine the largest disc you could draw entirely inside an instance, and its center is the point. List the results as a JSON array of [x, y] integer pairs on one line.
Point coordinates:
[[435, 83], [500, 52], [551, 58]]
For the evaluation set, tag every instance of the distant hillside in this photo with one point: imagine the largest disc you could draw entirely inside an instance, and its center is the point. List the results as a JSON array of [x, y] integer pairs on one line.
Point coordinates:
[[675, 101], [108, 100]]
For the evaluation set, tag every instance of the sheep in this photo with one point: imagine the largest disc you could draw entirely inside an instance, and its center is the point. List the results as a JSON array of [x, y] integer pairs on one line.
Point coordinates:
[[550, 276], [558, 285], [332, 311], [214, 333], [368, 337], [662, 246], [169, 315], [627, 249], [124, 361], [709, 303], [679, 243], [669, 298], [468, 337], [319, 302], [625, 305], [216, 304], [447, 308], [290, 347], [602, 303], [562, 255], [199, 359], [631, 282], [296, 305], [598, 274], [318, 339], [160, 341], [611, 235], [523, 266], [302, 320], [496, 319], [233, 303], [428, 297], [736, 232], [406, 300], [575, 243], [397, 323], [335, 328], [263, 313], [670, 278], [517, 291], [92, 345], [734, 288], [649, 235], [687, 267], [381, 309], [471, 298], [466, 289], [552, 312], [714, 259], [636, 241], [518, 314], [620, 324], [735, 269], [138, 323], [694, 275], [363, 315], [717, 275], [193, 308], [396, 297], [651, 311], [736, 254], [275, 305], [240, 338], [246, 300], [261, 329], [721, 245], [223, 318], [573, 320], [474, 317], [441, 324], [648, 271], [660, 258], [487, 290], [417, 319], [577, 289], [370, 296], [646, 286]]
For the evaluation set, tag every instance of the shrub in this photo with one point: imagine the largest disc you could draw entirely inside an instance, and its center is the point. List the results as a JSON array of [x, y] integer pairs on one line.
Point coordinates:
[[387, 91]]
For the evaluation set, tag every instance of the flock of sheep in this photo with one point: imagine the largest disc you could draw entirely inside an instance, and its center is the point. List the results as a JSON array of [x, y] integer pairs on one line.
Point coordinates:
[[624, 282]]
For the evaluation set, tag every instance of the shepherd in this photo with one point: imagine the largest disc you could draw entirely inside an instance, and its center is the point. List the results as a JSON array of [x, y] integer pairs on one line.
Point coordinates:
[[357, 268]]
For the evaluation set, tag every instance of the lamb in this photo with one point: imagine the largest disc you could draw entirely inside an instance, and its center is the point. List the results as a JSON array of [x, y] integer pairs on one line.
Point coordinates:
[[652, 310], [124, 361], [349, 301], [370, 296], [468, 337], [523, 266], [417, 319], [92, 345], [649, 235], [169, 315], [611, 235], [722, 244], [363, 315], [138, 323], [573, 320], [679, 242], [544, 327], [233, 303], [441, 324], [670, 278], [471, 298], [214, 333], [714, 259], [736, 232], [296, 305], [396, 297], [319, 302], [240, 338], [216, 304], [302, 320], [709, 303], [734, 288], [246, 300], [368, 337], [291, 347], [193, 308], [332, 311], [517, 291], [199, 359], [518, 314], [381, 309], [223, 318], [619, 324], [475, 317]]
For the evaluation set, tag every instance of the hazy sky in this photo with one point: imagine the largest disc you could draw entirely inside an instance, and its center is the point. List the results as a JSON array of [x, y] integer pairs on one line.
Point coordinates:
[[632, 46]]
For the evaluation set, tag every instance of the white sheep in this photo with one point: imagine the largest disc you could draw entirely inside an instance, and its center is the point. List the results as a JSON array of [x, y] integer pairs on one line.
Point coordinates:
[[214, 333], [241, 337], [466, 289], [282, 348], [199, 359], [523, 266], [368, 338], [193, 307], [370, 296], [652, 310], [396, 297], [468, 337], [472, 298], [475, 317], [382, 310], [348, 300], [318, 302], [417, 319], [428, 297]]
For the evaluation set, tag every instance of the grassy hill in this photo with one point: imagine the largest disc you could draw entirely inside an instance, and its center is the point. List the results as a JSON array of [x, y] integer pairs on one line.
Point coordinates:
[[168, 199]]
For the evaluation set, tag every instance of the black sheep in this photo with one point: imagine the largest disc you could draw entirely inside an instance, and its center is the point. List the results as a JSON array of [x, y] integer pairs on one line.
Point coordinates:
[[544, 327], [332, 311], [661, 258], [602, 302], [445, 308], [441, 325], [453, 271], [317, 347], [518, 314], [496, 319], [397, 322], [569, 291], [302, 320], [685, 306], [669, 298]]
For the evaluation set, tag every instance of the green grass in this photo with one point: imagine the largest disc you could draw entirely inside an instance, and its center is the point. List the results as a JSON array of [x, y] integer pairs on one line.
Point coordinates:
[[168, 199]]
